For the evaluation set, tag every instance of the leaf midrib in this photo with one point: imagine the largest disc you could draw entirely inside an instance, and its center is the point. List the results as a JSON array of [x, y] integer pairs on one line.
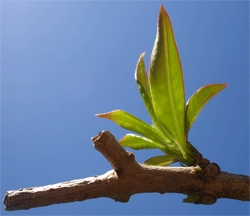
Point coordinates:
[[170, 94]]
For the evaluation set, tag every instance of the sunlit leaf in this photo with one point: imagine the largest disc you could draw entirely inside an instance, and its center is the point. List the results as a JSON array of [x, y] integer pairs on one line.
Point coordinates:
[[166, 81], [132, 123], [140, 74], [137, 142], [198, 100], [143, 86], [141, 79], [162, 160]]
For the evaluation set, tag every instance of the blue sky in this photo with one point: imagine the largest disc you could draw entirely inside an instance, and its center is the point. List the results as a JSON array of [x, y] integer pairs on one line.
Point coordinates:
[[62, 62]]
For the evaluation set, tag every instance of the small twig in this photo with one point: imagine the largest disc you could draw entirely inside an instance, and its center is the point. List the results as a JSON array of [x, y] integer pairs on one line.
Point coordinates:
[[128, 178]]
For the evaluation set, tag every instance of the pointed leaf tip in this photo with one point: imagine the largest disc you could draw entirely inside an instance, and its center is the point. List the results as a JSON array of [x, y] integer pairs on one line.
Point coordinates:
[[198, 100], [141, 74], [162, 9]]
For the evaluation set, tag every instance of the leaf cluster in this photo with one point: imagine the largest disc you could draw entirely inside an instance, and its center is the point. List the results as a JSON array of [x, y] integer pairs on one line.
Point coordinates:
[[162, 91]]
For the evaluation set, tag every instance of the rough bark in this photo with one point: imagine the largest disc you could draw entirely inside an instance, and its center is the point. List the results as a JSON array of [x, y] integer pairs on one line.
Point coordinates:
[[129, 177]]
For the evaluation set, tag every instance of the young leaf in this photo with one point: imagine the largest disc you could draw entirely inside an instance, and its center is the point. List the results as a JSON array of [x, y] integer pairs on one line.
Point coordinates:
[[198, 100], [137, 142], [162, 160], [143, 86], [130, 122], [140, 74], [166, 81]]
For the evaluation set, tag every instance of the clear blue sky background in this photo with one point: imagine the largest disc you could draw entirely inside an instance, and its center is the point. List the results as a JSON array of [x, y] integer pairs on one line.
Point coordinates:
[[63, 62]]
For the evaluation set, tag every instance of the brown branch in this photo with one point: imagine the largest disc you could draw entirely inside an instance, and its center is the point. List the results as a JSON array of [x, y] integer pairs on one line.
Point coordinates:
[[128, 178]]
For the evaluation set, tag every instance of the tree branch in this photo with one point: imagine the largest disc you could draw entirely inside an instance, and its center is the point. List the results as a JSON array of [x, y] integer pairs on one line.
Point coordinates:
[[129, 177]]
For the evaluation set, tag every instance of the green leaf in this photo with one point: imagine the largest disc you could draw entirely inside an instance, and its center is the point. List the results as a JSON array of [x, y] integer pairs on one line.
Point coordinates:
[[143, 86], [132, 123], [162, 160], [137, 142], [192, 198], [166, 81], [198, 100], [141, 76]]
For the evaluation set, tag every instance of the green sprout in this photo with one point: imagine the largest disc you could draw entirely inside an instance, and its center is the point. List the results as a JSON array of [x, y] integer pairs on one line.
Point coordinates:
[[163, 94]]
